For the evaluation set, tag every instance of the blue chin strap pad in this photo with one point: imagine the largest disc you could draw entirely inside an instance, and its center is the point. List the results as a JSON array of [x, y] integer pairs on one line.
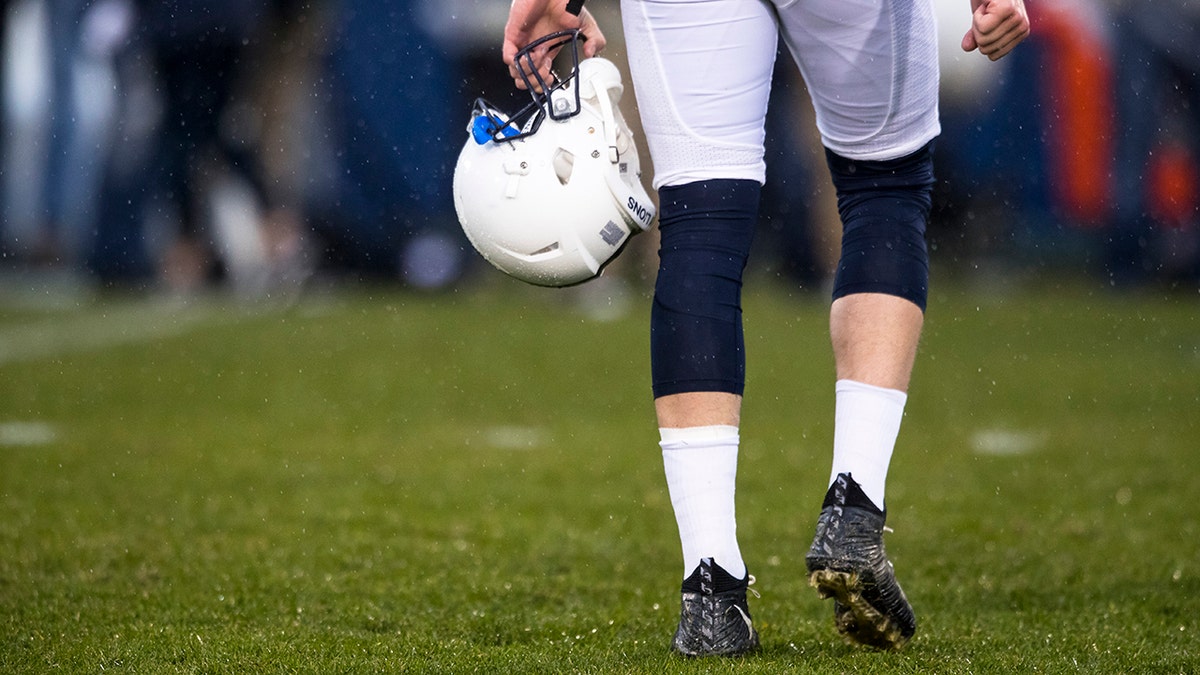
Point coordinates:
[[884, 206], [696, 341]]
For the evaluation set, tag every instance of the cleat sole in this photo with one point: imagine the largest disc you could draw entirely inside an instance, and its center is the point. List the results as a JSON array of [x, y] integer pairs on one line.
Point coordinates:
[[855, 618]]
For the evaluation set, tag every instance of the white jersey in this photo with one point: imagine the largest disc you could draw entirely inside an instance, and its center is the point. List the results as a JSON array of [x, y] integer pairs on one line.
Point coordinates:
[[702, 72]]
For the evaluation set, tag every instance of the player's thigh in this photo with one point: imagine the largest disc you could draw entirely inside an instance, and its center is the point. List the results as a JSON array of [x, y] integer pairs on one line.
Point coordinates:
[[702, 72], [871, 69]]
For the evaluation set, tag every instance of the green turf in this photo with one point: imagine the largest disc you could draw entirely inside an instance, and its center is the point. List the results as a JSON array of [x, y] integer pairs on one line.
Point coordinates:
[[379, 481]]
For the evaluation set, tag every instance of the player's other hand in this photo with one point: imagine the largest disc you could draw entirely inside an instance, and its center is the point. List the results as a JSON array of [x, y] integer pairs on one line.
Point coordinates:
[[529, 20], [996, 27]]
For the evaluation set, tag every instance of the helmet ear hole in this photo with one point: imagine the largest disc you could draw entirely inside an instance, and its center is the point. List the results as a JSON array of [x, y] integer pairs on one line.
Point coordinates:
[[564, 165]]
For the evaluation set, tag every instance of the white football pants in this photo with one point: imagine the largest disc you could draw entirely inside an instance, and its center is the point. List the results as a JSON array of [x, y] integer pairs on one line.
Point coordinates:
[[702, 71]]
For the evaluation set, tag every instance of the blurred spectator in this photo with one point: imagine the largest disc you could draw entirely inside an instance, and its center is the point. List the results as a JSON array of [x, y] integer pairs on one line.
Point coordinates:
[[186, 192], [1024, 150], [397, 118], [229, 129], [1093, 145], [55, 111], [1155, 231]]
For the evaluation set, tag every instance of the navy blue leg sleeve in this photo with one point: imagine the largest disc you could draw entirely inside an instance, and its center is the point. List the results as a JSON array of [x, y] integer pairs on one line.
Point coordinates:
[[884, 206], [696, 339]]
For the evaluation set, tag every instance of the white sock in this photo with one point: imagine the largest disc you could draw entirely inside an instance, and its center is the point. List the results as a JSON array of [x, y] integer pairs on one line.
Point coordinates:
[[866, 424], [701, 468]]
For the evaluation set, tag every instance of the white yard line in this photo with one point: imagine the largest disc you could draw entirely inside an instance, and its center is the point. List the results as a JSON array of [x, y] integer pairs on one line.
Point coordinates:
[[96, 329]]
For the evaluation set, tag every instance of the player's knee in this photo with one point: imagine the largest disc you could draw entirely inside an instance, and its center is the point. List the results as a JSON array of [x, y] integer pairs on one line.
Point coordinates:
[[706, 230], [884, 206]]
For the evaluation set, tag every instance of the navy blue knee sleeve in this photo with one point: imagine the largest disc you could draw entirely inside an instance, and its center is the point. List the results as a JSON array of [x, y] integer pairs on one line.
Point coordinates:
[[696, 339], [884, 206]]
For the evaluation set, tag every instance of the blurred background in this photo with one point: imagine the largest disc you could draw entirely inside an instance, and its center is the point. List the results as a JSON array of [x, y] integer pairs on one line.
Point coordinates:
[[258, 147]]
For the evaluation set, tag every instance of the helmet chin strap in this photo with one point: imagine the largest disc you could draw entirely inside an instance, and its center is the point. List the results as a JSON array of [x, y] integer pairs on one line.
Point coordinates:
[[635, 205], [610, 123]]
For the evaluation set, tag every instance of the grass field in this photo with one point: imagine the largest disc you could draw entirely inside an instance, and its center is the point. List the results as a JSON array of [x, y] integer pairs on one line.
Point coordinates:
[[375, 481]]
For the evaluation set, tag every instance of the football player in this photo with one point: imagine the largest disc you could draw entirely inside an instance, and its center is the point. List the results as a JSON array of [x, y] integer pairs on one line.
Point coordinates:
[[702, 72]]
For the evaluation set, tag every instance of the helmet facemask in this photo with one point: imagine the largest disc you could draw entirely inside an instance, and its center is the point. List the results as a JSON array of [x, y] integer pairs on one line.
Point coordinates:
[[527, 120]]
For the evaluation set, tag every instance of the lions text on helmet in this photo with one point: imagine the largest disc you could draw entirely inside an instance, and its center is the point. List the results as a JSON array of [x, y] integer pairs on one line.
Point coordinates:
[[552, 194], [644, 214]]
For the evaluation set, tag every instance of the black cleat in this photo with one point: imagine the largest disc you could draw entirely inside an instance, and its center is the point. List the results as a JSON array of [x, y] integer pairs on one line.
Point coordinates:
[[847, 562], [714, 619]]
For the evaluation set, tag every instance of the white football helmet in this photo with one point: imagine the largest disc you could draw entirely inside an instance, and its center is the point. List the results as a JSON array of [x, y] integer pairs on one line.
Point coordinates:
[[551, 195]]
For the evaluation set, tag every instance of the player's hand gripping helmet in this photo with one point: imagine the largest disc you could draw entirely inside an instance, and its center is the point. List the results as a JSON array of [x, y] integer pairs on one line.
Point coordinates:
[[552, 194]]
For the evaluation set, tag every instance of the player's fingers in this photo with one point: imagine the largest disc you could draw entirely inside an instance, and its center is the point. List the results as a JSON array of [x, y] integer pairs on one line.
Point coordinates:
[[595, 41], [592, 47], [1001, 40], [992, 19], [516, 76], [1001, 49], [520, 72], [968, 42]]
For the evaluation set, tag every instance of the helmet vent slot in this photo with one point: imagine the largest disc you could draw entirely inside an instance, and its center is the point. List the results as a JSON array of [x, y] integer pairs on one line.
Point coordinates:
[[544, 250], [564, 165]]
